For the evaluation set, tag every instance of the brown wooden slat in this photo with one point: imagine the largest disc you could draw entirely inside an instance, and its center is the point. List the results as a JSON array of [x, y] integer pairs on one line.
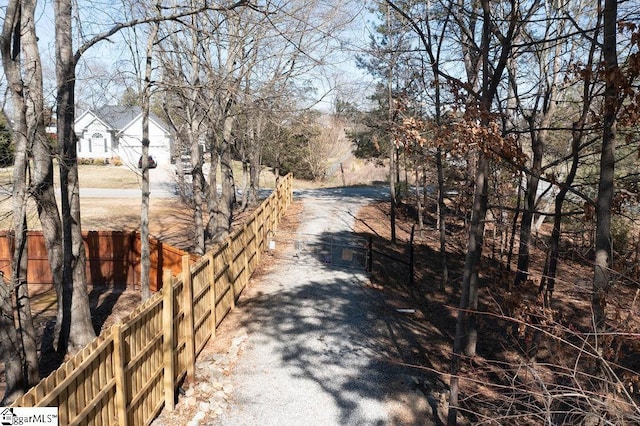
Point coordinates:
[[129, 373]]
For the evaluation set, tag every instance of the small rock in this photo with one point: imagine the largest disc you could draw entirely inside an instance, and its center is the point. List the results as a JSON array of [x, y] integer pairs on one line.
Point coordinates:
[[217, 385], [200, 415], [190, 391], [213, 405], [228, 389], [238, 340], [217, 357], [204, 387], [190, 401], [216, 374]]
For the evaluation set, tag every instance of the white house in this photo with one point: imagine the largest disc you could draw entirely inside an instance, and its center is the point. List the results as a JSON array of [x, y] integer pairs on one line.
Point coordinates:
[[116, 131]]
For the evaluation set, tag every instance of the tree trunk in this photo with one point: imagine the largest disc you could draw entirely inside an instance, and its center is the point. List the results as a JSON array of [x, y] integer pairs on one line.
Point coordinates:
[[25, 343], [601, 277], [221, 211], [197, 187], [43, 191], [442, 220], [9, 348], [76, 328], [577, 135], [465, 339], [531, 193], [246, 182], [514, 225], [393, 190], [42, 188], [466, 333], [255, 160], [419, 207], [145, 251], [212, 193], [549, 276], [254, 173], [20, 353], [224, 211], [547, 96]]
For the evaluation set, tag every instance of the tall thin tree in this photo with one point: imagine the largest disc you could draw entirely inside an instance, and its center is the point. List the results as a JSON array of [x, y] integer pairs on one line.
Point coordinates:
[[601, 277]]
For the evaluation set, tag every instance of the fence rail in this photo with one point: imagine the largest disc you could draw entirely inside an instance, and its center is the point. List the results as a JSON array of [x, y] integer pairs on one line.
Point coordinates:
[[129, 373]]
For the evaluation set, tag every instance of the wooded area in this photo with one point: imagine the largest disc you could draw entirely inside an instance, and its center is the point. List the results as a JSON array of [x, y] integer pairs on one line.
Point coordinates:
[[507, 113], [512, 113]]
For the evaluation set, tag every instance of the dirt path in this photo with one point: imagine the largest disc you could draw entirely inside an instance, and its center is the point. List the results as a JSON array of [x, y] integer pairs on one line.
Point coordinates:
[[312, 344]]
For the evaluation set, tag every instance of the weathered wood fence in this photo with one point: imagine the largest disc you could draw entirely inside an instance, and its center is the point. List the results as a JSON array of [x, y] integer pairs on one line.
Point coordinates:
[[129, 373], [113, 258]]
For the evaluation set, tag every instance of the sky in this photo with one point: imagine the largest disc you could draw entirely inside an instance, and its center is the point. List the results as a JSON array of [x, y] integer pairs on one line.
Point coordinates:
[[107, 68]]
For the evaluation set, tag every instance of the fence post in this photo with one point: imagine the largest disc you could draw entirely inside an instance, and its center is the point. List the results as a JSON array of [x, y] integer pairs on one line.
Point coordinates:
[[245, 257], [188, 317], [118, 372], [212, 292], [167, 343]]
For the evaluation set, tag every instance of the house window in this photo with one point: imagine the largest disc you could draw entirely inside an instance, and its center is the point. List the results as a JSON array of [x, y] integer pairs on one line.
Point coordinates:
[[99, 142]]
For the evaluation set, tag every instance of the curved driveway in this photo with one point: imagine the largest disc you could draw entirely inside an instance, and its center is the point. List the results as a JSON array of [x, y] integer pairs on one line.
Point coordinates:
[[318, 350]]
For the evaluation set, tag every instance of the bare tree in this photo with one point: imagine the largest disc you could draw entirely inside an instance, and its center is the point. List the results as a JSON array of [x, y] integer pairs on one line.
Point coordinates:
[[10, 348], [612, 101], [539, 109], [145, 255], [426, 33], [578, 133], [234, 64], [182, 83], [24, 77], [76, 327], [466, 332]]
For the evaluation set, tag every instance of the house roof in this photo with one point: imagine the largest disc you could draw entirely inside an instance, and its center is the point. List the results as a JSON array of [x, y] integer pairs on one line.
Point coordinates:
[[116, 116], [119, 117]]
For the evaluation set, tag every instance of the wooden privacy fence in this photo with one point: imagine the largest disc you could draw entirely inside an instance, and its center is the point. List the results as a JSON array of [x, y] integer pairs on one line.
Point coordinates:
[[113, 258], [132, 370]]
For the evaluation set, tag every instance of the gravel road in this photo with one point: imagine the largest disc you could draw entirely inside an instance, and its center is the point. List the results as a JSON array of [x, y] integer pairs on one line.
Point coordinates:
[[317, 347]]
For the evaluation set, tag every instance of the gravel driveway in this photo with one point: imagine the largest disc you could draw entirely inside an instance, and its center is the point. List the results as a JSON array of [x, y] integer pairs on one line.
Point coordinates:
[[317, 345]]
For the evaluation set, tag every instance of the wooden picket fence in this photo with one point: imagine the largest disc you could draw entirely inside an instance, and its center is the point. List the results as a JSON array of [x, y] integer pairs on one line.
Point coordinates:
[[129, 373]]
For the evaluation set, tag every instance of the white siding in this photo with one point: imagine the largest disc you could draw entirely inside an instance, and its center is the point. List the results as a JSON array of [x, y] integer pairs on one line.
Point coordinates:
[[130, 147], [127, 146], [90, 144]]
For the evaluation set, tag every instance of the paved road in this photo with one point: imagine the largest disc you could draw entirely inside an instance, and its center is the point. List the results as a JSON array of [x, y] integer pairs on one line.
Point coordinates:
[[318, 345]]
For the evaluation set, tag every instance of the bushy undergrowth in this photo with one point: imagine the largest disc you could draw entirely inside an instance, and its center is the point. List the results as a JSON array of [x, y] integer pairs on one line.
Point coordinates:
[[538, 360]]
